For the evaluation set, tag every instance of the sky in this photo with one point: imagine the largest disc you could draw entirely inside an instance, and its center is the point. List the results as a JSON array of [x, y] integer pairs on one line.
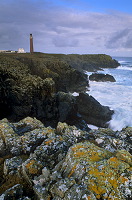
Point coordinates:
[[67, 26]]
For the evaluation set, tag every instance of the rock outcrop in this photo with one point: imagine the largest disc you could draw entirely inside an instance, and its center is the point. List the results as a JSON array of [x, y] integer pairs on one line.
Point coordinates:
[[101, 77], [92, 111], [63, 163], [31, 86], [22, 94], [88, 62]]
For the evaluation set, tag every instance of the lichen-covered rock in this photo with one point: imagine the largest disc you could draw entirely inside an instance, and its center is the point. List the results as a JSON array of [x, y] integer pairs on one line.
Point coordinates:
[[64, 163], [11, 165], [27, 124], [30, 169], [111, 140], [22, 137], [10, 139], [2, 147], [61, 187], [104, 174]]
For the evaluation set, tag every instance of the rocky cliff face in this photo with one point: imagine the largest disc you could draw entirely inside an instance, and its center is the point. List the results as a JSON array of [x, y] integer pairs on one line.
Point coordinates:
[[88, 62], [39, 87], [63, 163], [65, 77]]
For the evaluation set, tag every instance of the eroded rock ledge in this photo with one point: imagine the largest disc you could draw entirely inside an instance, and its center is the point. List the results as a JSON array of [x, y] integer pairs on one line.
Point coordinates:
[[63, 163]]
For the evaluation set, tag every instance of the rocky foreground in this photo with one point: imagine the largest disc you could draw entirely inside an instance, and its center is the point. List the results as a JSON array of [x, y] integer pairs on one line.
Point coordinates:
[[59, 157], [64, 163]]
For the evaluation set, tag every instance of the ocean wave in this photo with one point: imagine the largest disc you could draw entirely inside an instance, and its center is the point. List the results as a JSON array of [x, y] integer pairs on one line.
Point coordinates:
[[125, 68], [122, 61], [118, 98]]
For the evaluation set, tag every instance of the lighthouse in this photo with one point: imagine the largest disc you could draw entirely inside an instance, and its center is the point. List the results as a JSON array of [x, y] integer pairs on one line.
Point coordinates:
[[31, 43]]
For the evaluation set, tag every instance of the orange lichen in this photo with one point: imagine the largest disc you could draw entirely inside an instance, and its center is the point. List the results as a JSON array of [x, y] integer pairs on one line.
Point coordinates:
[[72, 170], [33, 171], [114, 162], [96, 173], [31, 168], [48, 142], [99, 191], [77, 147], [101, 179], [123, 179], [113, 159], [79, 153], [94, 156], [113, 182], [49, 198], [50, 130], [28, 165]]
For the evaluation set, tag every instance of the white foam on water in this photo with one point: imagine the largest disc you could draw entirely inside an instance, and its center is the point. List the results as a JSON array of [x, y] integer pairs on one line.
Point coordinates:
[[125, 68], [118, 98]]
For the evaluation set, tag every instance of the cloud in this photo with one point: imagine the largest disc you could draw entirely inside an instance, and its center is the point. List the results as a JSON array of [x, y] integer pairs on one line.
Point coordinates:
[[120, 39], [65, 42], [56, 29]]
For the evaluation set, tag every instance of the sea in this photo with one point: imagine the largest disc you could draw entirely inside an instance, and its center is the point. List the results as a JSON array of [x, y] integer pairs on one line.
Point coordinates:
[[117, 95]]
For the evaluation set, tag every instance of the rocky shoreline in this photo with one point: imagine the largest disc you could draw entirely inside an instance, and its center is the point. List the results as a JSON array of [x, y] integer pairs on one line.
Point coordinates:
[[47, 151], [39, 85]]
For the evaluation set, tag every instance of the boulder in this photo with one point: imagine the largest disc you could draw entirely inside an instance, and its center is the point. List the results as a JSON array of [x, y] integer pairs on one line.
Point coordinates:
[[98, 174], [101, 77], [92, 111], [64, 163]]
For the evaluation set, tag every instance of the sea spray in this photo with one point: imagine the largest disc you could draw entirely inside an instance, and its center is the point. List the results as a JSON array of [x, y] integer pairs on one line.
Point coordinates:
[[118, 95]]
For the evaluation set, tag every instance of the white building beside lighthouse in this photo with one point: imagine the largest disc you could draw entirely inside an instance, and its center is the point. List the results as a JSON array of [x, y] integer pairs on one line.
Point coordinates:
[[21, 50]]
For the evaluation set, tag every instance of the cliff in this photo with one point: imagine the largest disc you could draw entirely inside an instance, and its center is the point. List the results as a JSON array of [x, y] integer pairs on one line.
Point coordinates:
[[88, 62], [38, 85]]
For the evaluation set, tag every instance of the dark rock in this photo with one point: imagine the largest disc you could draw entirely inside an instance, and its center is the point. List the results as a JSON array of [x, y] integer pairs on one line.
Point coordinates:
[[92, 111], [11, 165], [66, 106], [101, 77], [68, 111], [29, 86], [16, 192]]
